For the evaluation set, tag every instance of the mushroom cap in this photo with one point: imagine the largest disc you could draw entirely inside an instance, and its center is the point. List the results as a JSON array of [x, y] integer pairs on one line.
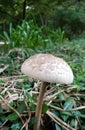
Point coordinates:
[[47, 68]]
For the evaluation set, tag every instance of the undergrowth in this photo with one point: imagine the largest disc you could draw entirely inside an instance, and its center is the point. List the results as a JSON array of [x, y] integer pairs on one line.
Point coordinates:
[[64, 105]]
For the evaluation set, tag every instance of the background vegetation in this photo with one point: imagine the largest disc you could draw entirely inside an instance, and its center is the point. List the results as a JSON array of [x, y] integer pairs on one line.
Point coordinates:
[[44, 26]]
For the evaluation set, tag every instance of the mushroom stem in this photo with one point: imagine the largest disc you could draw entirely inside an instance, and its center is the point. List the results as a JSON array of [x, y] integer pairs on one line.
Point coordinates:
[[39, 105]]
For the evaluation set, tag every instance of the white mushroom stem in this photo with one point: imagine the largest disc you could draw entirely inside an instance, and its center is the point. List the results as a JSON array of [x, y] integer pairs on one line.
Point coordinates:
[[39, 105]]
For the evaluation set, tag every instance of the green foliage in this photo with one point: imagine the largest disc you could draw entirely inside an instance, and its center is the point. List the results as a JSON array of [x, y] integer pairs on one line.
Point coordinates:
[[68, 15], [30, 35], [12, 117], [60, 35], [68, 104], [70, 18], [44, 108], [48, 41], [16, 126], [27, 34]]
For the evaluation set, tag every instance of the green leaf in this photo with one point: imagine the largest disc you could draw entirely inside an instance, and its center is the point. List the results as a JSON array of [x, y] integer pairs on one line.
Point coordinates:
[[57, 127], [72, 122], [78, 114], [6, 128], [6, 36], [68, 104], [21, 107], [44, 108], [65, 115], [1, 81], [61, 96], [16, 126], [12, 117]]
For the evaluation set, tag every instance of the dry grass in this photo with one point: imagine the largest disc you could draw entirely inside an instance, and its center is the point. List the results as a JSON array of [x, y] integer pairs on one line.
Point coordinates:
[[11, 92]]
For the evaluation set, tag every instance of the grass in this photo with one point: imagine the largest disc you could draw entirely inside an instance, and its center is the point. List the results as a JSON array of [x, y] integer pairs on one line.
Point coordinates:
[[64, 105]]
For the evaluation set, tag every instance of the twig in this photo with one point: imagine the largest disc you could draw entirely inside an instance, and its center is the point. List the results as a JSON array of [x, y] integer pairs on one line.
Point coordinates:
[[12, 109], [50, 91], [6, 88], [53, 96], [73, 109], [59, 121], [3, 124], [26, 123], [54, 107], [77, 108], [12, 77], [56, 121]]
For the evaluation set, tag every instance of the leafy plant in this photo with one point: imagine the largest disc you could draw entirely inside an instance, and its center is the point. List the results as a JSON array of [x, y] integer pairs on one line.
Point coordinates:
[[63, 105], [31, 36], [26, 34]]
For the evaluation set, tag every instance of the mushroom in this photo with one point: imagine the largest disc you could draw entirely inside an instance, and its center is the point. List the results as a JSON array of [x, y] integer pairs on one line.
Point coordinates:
[[48, 69]]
